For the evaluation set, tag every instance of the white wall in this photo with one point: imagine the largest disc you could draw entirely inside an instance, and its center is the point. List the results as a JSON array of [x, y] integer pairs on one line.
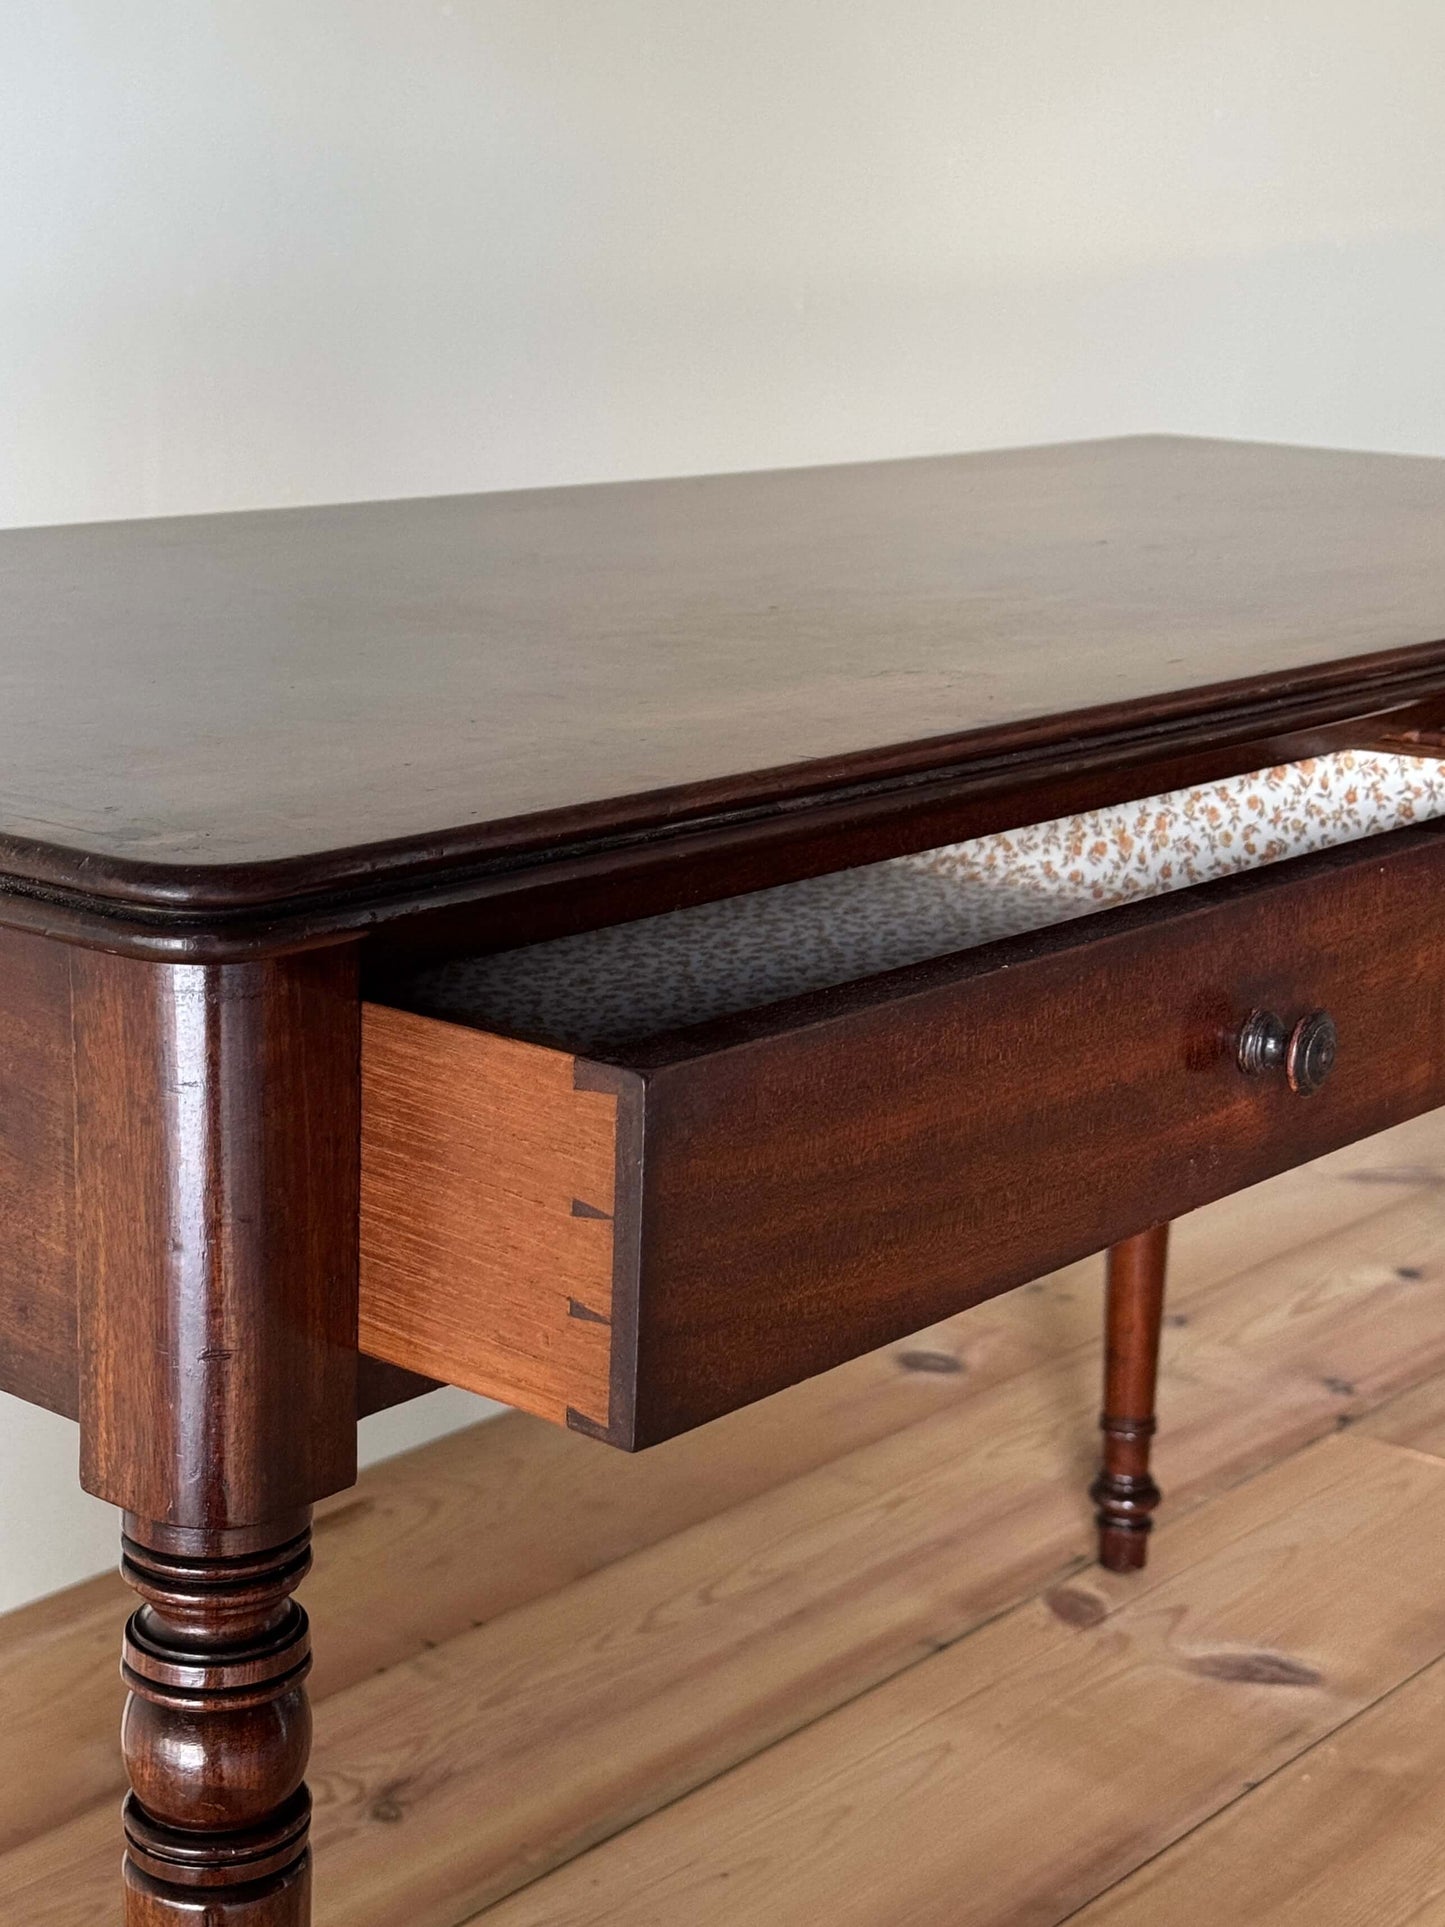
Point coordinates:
[[261, 252]]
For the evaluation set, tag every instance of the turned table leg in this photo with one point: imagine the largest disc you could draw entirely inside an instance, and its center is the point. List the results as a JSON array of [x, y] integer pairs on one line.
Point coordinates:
[[1125, 1492], [217, 1178], [217, 1727]]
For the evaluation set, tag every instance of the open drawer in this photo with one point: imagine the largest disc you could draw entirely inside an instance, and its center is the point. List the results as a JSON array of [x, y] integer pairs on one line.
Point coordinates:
[[635, 1179]]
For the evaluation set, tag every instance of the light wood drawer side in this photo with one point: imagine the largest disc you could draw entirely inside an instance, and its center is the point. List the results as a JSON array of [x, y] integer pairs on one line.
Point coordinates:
[[487, 1205]]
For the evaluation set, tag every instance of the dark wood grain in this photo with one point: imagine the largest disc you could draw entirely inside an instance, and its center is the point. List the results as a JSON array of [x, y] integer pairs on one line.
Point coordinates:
[[37, 1268], [811, 1180], [217, 1170], [826, 1177], [504, 905], [236, 752], [280, 1903], [285, 1902], [217, 1727], [328, 712], [1125, 1492], [38, 1345], [217, 1155]]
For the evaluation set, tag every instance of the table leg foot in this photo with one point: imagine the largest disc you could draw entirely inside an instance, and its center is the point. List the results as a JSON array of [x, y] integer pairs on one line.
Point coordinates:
[[1125, 1492], [217, 1727]]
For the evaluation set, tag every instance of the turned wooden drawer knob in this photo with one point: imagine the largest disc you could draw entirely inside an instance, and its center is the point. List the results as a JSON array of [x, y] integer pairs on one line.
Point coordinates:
[[1305, 1054]]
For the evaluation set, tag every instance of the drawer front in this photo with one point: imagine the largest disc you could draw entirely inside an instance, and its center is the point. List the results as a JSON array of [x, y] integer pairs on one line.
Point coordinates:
[[658, 1241]]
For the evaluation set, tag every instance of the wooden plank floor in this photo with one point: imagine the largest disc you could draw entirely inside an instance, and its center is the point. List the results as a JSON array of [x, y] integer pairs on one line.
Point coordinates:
[[844, 1657]]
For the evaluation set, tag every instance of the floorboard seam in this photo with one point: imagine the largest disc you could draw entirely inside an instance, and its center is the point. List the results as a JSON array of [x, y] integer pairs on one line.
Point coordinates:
[[1246, 1792], [1034, 1596]]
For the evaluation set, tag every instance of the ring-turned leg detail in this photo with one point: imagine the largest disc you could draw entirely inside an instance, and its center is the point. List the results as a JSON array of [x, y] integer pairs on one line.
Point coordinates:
[[217, 1211], [1125, 1500], [217, 1727], [1125, 1492]]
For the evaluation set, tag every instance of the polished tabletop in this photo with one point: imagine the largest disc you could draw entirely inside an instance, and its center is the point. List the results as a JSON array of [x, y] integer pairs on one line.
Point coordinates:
[[188, 706]]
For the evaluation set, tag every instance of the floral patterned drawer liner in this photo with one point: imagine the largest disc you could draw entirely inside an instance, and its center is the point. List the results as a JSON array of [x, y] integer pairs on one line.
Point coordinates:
[[637, 979]]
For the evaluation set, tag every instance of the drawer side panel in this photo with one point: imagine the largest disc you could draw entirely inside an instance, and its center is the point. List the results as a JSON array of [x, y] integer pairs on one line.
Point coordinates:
[[487, 1209]]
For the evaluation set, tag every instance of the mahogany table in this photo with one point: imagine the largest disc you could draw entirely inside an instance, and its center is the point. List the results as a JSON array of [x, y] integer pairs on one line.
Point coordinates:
[[262, 773]]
